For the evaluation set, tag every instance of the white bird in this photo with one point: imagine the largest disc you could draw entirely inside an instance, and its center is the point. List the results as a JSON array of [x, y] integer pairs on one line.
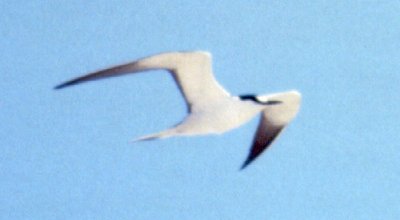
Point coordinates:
[[211, 109]]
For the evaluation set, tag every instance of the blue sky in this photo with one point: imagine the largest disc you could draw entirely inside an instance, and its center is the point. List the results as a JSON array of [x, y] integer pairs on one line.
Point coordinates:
[[66, 154]]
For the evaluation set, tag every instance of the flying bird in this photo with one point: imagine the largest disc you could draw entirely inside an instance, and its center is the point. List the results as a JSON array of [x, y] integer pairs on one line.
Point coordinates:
[[211, 109]]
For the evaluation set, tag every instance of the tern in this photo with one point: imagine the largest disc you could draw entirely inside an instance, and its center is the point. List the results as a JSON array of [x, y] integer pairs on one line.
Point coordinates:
[[211, 109]]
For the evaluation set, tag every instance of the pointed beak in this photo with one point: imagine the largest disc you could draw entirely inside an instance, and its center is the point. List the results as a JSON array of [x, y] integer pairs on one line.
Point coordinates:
[[273, 102]]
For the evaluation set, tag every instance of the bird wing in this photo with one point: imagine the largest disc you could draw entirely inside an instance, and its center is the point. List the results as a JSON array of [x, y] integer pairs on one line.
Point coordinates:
[[192, 72], [274, 119], [265, 135]]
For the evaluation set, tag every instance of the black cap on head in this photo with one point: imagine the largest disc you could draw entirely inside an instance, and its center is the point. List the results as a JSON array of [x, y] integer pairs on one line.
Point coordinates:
[[255, 99]]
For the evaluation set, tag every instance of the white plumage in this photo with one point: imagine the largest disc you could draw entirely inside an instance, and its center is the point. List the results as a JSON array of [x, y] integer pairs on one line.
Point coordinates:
[[211, 108]]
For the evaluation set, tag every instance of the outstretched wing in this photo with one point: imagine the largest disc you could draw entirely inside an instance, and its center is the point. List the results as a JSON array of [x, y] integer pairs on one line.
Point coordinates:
[[192, 72], [265, 135], [273, 120]]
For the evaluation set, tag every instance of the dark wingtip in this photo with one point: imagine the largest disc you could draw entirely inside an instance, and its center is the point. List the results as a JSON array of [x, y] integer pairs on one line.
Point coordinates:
[[245, 164], [66, 84], [59, 87]]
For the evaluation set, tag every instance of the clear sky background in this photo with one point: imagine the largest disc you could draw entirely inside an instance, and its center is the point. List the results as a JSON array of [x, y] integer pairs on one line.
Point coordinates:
[[66, 154]]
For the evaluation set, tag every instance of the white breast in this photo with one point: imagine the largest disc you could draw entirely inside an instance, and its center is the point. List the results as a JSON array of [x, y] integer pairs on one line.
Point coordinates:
[[223, 116]]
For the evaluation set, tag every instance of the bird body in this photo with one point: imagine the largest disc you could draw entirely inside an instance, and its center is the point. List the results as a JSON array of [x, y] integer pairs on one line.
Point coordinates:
[[212, 110], [218, 118]]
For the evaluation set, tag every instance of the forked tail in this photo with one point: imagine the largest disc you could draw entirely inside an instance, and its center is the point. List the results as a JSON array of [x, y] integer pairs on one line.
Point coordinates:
[[163, 134]]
